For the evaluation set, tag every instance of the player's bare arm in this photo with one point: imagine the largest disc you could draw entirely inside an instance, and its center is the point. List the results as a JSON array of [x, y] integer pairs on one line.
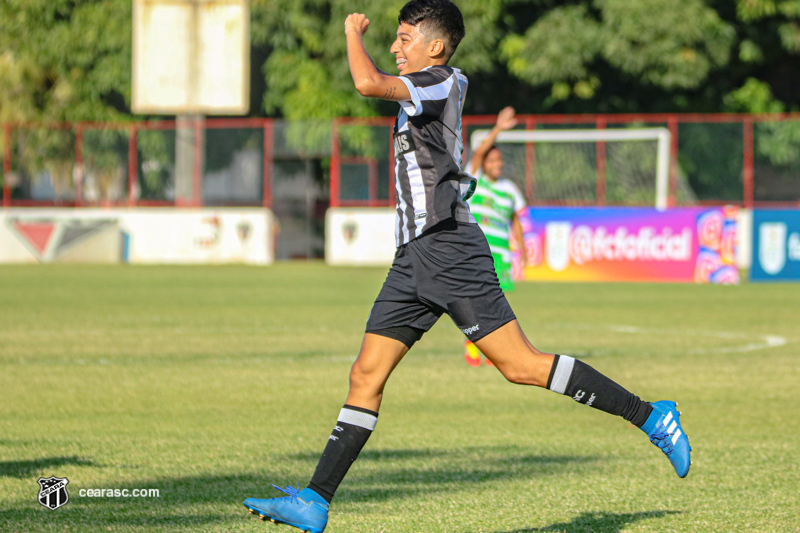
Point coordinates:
[[519, 236], [505, 121], [369, 80]]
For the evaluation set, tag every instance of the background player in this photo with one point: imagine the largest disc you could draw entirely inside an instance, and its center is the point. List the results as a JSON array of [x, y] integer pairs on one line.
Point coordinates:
[[442, 265], [496, 205]]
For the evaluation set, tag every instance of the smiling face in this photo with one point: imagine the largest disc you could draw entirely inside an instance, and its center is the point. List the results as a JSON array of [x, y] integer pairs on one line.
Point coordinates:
[[412, 50], [493, 164]]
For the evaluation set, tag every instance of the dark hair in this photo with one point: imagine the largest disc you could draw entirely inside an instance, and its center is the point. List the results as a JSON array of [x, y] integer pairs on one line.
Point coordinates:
[[436, 19]]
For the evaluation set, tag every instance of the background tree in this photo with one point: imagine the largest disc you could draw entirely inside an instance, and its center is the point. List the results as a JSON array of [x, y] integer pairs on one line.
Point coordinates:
[[63, 60], [71, 59]]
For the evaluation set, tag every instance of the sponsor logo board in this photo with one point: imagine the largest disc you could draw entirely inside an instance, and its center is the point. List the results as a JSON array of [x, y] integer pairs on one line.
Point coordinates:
[[776, 245], [630, 244]]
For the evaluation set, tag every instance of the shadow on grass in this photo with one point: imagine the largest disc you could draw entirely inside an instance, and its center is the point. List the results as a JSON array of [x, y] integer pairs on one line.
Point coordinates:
[[595, 523], [451, 470], [184, 503], [23, 469], [480, 453], [216, 501], [379, 455]]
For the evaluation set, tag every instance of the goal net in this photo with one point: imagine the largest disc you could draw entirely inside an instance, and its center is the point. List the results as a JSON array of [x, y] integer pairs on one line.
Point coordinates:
[[587, 166]]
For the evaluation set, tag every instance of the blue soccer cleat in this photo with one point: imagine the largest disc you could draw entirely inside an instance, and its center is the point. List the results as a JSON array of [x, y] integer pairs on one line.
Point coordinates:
[[663, 426], [304, 509]]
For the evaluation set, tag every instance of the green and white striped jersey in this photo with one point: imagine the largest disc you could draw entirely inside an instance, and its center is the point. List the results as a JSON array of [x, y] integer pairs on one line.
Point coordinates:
[[493, 206]]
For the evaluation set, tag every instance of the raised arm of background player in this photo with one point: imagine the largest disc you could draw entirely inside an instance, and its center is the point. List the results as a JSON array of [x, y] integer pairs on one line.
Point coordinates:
[[369, 79], [505, 121]]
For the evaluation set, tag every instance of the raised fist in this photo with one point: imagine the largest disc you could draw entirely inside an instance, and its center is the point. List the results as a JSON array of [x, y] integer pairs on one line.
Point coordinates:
[[356, 22]]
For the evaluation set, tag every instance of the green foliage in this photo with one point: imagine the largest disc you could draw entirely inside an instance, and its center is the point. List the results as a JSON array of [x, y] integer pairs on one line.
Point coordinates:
[[665, 43], [754, 96], [556, 48], [584, 55], [47, 153], [779, 143], [307, 73], [705, 161], [105, 153], [65, 60], [674, 50], [750, 52], [155, 163], [71, 59]]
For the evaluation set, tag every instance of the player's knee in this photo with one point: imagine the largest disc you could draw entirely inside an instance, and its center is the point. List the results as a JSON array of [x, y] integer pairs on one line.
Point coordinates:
[[514, 375], [362, 378], [521, 374]]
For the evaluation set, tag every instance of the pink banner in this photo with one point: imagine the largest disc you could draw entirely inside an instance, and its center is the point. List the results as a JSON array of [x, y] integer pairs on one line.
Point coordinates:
[[630, 244]]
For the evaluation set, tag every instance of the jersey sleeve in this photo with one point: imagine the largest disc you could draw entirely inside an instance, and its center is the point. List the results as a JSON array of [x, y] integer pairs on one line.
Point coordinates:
[[429, 92]]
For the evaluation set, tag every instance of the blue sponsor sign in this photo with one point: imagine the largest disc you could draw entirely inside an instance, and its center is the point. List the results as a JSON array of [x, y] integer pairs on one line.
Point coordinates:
[[776, 245]]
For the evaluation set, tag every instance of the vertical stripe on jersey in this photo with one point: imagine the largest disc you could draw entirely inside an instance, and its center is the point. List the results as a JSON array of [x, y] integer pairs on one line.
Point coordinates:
[[405, 207], [399, 237], [462, 93], [418, 196], [400, 230]]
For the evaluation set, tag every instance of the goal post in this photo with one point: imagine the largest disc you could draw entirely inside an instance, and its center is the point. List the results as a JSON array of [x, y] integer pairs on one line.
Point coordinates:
[[660, 135]]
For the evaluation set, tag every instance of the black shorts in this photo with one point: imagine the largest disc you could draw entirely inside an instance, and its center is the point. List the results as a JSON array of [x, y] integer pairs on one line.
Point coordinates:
[[449, 269]]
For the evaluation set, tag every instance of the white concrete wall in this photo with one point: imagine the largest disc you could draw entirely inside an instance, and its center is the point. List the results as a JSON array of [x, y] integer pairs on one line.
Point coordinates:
[[744, 239], [156, 235], [359, 236]]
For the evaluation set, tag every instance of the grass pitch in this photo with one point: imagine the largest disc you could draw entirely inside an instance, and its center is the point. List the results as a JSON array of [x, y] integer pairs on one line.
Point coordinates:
[[211, 383]]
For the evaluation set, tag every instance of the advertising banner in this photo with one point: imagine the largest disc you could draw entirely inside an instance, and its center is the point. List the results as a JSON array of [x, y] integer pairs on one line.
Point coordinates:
[[776, 245], [631, 244]]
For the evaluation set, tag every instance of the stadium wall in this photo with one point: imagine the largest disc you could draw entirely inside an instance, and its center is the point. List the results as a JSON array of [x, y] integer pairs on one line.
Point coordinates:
[[142, 235], [359, 236]]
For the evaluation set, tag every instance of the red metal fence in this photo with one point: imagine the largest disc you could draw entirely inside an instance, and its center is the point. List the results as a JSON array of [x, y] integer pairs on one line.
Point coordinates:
[[748, 160], [33, 152]]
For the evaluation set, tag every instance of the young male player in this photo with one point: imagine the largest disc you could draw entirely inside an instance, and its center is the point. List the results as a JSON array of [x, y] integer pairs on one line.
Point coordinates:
[[443, 265]]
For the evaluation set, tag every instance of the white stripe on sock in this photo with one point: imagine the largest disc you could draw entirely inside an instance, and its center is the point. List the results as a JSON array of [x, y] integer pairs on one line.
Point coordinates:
[[562, 374], [357, 418]]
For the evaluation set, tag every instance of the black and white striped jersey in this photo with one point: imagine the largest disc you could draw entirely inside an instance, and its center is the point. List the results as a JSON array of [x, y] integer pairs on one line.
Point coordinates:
[[427, 150]]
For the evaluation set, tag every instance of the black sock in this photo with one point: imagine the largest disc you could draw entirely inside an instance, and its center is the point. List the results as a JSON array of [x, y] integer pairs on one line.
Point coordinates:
[[589, 387], [351, 432]]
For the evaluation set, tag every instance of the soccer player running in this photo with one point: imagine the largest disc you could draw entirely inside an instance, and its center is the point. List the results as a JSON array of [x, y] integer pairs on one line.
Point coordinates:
[[496, 206], [442, 265]]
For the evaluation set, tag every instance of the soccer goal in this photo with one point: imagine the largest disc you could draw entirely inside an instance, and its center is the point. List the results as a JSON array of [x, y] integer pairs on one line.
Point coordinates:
[[587, 166]]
